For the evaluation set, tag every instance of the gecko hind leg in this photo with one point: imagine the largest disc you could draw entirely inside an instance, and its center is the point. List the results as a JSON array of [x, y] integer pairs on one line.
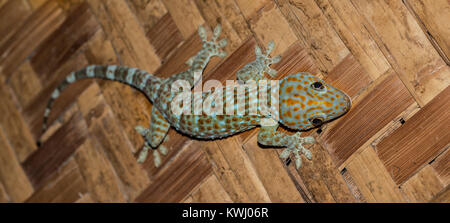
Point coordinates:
[[255, 70], [153, 137], [214, 46], [198, 62]]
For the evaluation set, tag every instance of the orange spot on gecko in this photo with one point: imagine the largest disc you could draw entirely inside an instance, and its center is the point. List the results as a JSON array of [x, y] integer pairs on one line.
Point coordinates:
[[289, 89], [310, 109], [299, 87], [311, 102], [328, 104], [288, 114], [291, 102], [292, 79], [303, 98], [297, 116], [309, 95], [296, 109]]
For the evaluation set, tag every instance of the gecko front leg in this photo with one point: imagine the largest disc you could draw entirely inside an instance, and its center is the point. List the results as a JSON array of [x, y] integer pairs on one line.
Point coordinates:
[[295, 146], [197, 63], [255, 70], [269, 136]]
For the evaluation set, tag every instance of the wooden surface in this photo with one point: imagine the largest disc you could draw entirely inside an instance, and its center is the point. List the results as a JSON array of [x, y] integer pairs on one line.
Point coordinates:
[[391, 57]]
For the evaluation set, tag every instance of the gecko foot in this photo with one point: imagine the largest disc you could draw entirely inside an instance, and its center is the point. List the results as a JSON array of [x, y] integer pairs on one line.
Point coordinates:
[[265, 60], [190, 62], [255, 70], [144, 153], [214, 46], [296, 147], [156, 154]]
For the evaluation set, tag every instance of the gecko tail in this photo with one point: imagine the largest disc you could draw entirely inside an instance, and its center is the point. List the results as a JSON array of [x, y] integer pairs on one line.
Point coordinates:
[[137, 78]]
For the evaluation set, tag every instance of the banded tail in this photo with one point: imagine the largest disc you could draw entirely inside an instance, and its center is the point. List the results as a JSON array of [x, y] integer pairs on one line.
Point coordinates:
[[137, 78]]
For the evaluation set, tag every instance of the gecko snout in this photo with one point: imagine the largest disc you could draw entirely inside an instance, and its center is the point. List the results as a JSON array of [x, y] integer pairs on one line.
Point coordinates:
[[347, 102]]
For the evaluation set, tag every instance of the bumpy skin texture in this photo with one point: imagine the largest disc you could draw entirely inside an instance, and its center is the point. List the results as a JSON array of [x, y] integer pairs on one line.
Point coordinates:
[[304, 102]]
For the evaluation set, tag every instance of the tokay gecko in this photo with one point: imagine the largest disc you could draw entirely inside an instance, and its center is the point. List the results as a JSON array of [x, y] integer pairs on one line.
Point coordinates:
[[302, 102]]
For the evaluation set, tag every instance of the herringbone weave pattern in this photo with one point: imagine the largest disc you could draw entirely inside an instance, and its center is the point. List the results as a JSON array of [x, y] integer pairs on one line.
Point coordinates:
[[391, 57]]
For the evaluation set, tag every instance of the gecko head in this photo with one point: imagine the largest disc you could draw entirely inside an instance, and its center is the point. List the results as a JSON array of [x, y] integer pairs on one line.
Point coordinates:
[[307, 102]]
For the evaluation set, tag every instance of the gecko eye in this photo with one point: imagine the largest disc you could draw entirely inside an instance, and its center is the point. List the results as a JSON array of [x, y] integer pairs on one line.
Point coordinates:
[[317, 121], [317, 85]]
